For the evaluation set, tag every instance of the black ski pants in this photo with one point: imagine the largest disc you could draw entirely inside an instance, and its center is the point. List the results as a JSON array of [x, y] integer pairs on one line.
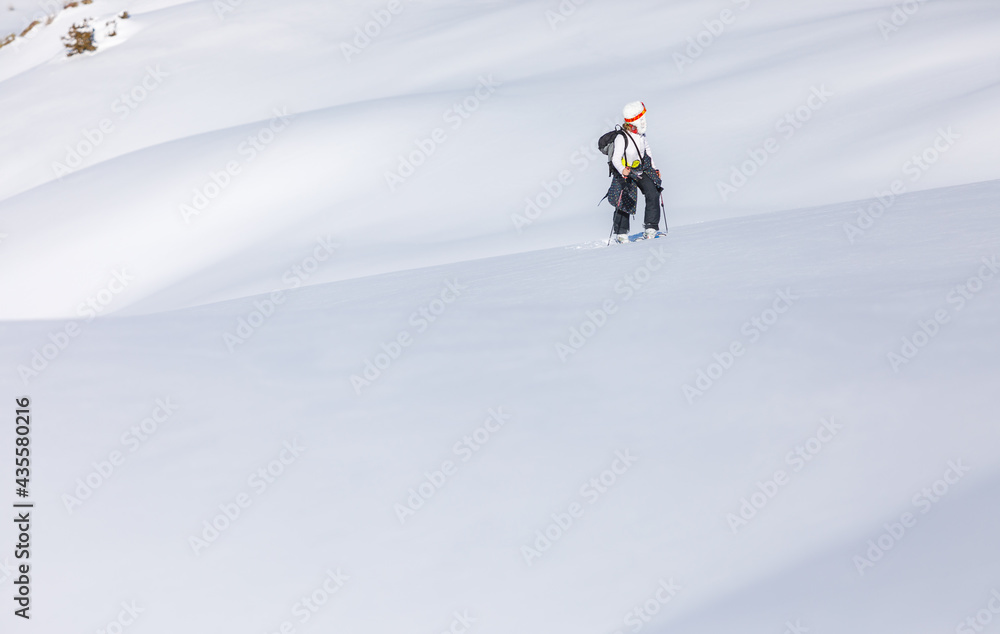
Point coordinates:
[[652, 216]]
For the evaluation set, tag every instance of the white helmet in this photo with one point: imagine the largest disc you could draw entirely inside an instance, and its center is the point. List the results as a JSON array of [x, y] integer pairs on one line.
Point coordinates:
[[635, 114]]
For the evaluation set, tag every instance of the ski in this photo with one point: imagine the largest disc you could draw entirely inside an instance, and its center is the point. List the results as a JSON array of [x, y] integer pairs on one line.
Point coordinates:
[[639, 237]]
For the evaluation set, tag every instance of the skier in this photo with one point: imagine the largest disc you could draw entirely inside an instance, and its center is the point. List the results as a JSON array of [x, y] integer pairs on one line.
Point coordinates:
[[634, 170]]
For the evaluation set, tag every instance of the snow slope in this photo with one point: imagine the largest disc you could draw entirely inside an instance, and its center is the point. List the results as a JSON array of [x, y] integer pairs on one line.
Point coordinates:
[[252, 415], [187, 83], [494, 345]]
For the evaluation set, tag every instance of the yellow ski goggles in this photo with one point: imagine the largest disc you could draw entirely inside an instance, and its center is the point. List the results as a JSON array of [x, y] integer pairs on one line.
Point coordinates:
[[634, 165]]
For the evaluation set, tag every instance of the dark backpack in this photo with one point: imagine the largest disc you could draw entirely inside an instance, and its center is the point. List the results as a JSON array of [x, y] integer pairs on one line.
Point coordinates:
[[606, 145]]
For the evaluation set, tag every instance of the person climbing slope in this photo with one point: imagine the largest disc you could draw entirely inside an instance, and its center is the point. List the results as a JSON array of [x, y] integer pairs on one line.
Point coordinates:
[[634, 170]]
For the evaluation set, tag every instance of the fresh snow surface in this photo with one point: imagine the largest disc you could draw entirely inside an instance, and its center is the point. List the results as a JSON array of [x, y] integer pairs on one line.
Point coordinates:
[[495, 347], [799, 317]]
